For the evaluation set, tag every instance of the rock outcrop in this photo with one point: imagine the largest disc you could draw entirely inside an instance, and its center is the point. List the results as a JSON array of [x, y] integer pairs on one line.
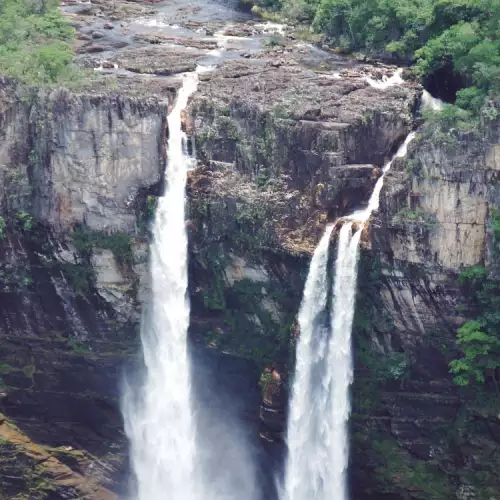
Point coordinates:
[[299, 147], [283, 150], [83, 158]]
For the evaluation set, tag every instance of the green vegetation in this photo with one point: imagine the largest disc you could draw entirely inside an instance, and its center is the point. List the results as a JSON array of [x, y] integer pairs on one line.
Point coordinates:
[[81, 277], [2, 227], [14, 278], [375, 369], [77, 346], [264, 380], [479, 338], [119, 243], [418, 215], [397, 472], [495, 224], [145, 212], [254, 331], [25, 220], [460, 36], [35, 43]]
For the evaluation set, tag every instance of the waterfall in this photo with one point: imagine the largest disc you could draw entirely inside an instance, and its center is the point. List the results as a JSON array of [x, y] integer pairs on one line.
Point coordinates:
[[386, 82], [318, 445], [159, 420], [430, 103], [308, 440]]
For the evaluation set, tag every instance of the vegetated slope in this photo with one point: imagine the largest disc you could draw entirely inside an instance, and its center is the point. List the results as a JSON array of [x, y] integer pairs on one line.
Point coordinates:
[[35, 42]]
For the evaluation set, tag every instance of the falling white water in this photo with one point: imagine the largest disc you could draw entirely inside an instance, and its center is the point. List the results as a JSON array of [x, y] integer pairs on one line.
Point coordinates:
[[374, 201], [429, 103], [386, 82], [340, 357], [318, 445], [308, 429], [160, 423]]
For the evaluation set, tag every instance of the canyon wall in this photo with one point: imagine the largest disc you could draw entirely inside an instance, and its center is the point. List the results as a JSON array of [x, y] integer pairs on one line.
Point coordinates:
[[281, 151], [75, 170]]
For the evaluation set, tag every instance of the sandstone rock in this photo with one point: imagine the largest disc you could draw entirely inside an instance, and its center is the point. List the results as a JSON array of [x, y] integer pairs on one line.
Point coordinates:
[[112, 285], [304, 130]]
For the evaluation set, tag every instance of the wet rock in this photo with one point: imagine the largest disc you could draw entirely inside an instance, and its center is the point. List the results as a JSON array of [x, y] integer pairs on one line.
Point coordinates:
[[83, 37], [157, 60], [108, 26], [118, 44], [84, 11], [91, 49], [239, 30], [154, 39], [97, 34]]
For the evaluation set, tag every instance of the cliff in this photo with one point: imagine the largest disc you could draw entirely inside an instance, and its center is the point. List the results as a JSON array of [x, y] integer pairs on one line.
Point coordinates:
[[276, 166], [435, 227], [76, 169], [282, 150]]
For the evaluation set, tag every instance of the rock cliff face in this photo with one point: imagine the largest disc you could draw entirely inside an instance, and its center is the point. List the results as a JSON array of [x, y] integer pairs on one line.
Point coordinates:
[[435, 222], [282, 150], [302, 147], [75, 170], [83, 158]]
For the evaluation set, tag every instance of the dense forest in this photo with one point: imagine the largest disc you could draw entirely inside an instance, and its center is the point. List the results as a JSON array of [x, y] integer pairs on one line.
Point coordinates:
[[445, 37], [35, 42]]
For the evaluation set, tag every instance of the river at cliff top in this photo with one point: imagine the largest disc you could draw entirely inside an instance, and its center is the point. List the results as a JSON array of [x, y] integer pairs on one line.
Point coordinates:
[[119, 40]]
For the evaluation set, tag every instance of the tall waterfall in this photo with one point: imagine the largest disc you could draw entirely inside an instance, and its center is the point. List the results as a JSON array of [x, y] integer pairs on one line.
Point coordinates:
[[319, 410], [159, 420], [308, 437]]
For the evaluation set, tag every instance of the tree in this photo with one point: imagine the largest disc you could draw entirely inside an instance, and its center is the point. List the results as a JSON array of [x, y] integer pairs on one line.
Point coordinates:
[[481, 354]]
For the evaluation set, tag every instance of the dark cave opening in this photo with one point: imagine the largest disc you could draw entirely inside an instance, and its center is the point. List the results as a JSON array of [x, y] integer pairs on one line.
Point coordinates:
[[444, 83]]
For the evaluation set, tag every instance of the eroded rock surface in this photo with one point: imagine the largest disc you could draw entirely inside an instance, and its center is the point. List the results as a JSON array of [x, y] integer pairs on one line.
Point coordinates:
[[299, 146]]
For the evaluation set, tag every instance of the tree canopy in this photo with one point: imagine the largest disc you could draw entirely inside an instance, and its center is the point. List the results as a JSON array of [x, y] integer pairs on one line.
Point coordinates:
[[462, 35], [35, 42]]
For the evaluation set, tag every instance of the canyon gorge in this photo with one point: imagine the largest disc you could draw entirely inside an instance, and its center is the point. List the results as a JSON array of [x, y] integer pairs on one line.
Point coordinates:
[[281, 145]]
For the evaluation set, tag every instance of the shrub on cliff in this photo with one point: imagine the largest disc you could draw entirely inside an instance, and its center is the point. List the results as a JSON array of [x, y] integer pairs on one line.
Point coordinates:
[[479, 338], [35, 42]]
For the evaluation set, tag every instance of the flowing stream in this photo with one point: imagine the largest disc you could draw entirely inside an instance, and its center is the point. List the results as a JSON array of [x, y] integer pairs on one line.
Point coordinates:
[[317, 438], [159, 421]]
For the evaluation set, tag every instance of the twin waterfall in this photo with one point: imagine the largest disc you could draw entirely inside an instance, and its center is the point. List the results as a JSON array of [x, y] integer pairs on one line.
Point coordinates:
[[161, 420], [319, 409]]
